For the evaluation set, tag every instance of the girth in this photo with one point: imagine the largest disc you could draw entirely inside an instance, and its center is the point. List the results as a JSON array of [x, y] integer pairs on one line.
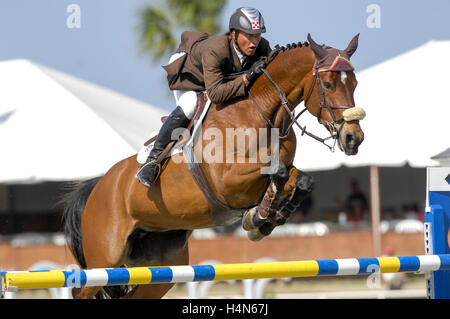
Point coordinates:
[[221, 214]]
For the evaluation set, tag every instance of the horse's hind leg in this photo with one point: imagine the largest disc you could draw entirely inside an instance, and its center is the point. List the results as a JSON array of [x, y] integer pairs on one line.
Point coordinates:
[[85, 292], [156, 291], [151, 291], [105, 231]]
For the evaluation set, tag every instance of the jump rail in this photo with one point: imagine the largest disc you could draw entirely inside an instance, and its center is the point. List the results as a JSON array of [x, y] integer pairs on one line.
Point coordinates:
[[435, 264], [177, 274]]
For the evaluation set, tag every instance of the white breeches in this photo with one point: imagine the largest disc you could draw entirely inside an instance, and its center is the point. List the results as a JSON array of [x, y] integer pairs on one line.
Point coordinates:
[[187, 100]]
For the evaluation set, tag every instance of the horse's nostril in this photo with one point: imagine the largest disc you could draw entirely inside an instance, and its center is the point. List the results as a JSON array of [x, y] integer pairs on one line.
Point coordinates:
[[350, 140]]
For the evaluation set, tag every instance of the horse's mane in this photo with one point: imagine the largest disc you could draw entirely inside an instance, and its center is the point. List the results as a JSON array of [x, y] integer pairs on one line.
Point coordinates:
[[288, 46]]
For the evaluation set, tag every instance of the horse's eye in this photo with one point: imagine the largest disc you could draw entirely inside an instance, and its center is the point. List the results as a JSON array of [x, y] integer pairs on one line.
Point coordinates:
[[327, 85]]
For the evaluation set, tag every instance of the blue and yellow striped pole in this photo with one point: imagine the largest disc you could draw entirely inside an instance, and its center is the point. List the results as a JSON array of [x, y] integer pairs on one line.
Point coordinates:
[[176, 274]]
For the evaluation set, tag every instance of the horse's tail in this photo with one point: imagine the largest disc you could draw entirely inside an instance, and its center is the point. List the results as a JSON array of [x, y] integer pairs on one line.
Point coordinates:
[[73, 203]]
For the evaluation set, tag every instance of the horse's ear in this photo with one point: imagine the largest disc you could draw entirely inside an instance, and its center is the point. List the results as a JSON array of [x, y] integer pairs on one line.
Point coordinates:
[[318, 50], [352, 46]]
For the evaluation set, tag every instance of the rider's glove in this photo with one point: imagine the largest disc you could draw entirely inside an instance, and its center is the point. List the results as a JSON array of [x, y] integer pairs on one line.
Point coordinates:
[[256, 69]]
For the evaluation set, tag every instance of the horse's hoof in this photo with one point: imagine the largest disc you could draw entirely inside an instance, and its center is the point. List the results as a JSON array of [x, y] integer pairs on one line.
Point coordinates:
[[252, 219], [267, 228], [305, 183], [259, 233], [281, 218], [75, 292]]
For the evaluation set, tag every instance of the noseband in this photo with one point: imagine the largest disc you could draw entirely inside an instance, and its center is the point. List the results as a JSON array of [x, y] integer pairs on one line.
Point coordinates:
[[335, 131]]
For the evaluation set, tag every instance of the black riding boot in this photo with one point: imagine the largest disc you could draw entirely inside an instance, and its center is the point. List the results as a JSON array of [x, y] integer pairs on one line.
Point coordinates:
[[149, 171]]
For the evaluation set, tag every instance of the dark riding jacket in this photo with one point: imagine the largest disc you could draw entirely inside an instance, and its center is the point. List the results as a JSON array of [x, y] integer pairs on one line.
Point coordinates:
[[207, 62]]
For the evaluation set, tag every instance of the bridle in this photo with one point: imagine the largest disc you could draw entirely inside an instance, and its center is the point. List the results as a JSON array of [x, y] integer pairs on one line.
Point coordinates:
[[331, 126]]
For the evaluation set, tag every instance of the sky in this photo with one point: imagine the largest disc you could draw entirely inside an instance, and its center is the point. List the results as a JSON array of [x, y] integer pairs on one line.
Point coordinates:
[[105, 48]]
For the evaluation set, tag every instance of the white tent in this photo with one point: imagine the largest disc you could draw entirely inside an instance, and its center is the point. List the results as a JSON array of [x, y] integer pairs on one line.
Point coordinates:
[[54, 127], [408, 114]]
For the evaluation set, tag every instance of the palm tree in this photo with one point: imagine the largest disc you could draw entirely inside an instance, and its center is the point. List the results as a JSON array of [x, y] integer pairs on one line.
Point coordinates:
[[162, 21]]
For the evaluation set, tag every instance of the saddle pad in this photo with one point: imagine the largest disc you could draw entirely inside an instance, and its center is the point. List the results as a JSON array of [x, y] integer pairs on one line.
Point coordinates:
[[144, 152]]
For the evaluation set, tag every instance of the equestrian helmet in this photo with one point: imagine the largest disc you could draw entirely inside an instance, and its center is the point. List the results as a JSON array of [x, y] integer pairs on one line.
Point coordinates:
[[248, 20]]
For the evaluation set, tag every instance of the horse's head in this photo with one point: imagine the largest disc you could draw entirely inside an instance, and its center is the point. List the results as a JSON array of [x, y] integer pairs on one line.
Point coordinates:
[[330, 95]]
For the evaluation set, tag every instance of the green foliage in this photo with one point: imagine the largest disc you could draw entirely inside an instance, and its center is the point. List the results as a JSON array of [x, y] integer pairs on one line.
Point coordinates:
[[160, 21]]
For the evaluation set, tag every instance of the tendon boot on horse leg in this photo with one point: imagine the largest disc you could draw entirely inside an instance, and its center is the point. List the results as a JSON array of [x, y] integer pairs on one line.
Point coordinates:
[[260, 215], [304, 187], [150, 170], [284, 208]]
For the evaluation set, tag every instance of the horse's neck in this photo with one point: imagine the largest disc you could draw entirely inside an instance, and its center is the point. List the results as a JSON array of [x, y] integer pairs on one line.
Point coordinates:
[[288, 69]]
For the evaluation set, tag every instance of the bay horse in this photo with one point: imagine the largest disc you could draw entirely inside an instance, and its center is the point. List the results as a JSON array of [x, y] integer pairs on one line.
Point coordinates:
[[114, 221]]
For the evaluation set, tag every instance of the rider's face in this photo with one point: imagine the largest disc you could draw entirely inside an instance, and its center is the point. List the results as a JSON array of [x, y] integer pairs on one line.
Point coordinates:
[[248, 42]]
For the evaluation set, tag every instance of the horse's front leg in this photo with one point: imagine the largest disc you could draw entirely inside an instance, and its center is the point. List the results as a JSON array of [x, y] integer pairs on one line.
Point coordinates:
[[304, 185], [276, 207], [256, 218]]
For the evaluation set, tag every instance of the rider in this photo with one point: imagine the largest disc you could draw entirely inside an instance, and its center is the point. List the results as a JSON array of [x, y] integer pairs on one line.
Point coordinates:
[[201, 63]]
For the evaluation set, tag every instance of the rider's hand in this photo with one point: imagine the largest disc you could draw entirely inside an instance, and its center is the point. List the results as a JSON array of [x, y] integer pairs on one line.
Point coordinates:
[[255, 70]]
